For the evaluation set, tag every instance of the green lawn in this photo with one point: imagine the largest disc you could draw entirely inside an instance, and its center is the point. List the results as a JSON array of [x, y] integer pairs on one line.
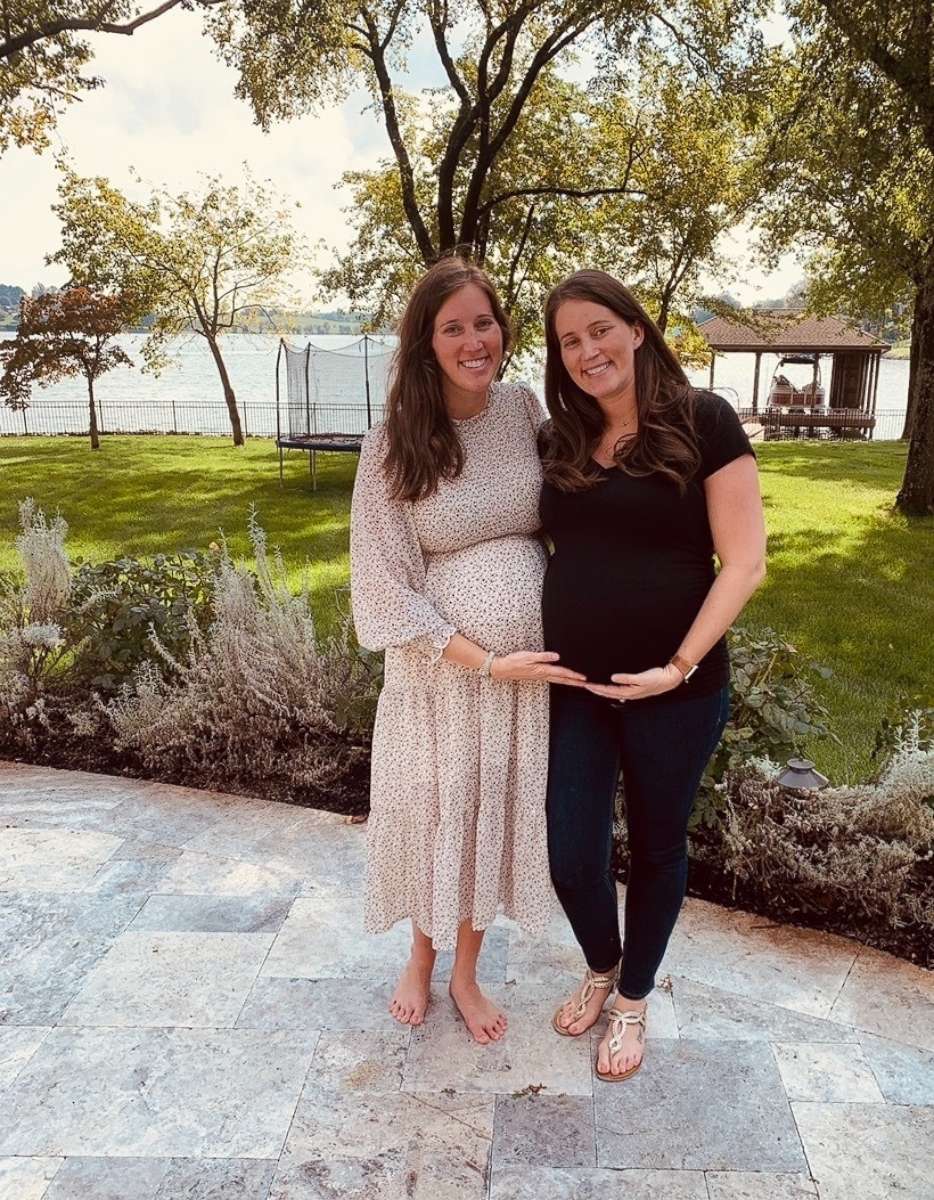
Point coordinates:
[[849, 582]]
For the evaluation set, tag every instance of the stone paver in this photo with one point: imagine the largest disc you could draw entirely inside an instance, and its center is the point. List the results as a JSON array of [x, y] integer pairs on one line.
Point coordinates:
[[190, 1008]]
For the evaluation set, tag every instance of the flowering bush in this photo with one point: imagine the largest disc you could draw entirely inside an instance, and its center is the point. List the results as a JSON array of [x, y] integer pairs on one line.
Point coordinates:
[[257, 695], [33, 647], [860, 854]]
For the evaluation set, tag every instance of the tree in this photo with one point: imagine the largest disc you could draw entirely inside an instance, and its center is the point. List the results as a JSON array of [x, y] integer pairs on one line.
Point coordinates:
[[640, 172], [196, 263], [853, 152], [43, 55], [456, 179], [62, 334]]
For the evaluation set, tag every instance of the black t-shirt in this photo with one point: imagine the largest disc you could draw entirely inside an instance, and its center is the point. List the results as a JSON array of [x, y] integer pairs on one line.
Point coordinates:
[[633, 563]]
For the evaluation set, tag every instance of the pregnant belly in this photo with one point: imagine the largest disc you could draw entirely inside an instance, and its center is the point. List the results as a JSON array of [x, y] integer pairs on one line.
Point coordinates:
[[492, 592]]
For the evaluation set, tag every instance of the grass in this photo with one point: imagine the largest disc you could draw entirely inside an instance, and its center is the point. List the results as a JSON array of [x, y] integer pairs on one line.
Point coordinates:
[[849, 580]]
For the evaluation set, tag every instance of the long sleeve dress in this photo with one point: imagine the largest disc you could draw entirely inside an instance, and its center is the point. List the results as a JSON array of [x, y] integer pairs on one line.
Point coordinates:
[[459, 763]]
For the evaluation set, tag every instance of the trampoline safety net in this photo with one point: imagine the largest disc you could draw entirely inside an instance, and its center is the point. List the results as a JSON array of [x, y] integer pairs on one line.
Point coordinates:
[[333, 391]]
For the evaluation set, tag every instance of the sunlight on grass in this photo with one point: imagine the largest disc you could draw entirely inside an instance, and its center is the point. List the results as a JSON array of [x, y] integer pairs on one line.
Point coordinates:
[[849, 580]]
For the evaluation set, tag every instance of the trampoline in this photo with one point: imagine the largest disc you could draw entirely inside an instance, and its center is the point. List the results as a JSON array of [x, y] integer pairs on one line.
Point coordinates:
[[331, 398]]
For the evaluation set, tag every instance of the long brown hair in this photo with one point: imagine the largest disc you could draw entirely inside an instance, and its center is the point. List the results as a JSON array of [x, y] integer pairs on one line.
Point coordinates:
[[422, 443], [666, 442]]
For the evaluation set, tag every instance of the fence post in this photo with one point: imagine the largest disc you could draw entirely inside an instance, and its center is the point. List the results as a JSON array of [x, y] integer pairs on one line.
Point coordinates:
[[25, 426]]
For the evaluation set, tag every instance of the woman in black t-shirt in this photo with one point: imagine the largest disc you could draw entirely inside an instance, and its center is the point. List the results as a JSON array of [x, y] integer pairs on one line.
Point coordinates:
[[646, 479]]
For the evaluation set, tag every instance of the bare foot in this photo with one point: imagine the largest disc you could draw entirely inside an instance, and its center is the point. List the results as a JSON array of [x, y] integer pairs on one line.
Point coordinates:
[[481, 1016], [592, 1008], [630, 1054], [410, 999]]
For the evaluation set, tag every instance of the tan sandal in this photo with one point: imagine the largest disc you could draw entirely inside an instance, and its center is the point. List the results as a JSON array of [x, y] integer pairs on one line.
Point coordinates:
[[619, 1020], [591, 983]]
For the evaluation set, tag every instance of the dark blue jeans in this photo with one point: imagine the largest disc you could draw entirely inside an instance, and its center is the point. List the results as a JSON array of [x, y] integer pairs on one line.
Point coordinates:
[[662, 748]]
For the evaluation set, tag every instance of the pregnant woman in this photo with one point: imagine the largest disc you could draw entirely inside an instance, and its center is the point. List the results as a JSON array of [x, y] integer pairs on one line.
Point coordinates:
[[646, 479], [446, 576]]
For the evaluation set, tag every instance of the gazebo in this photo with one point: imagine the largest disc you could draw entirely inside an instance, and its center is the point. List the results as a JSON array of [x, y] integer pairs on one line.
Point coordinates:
[[799, 338]]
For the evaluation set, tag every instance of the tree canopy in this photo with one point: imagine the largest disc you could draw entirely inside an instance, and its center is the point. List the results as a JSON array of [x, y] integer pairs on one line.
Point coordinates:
[[44, 53], [849, 166], [62, 334]]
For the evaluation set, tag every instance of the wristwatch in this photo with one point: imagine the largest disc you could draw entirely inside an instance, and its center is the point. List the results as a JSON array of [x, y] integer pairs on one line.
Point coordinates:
[[681, 664]]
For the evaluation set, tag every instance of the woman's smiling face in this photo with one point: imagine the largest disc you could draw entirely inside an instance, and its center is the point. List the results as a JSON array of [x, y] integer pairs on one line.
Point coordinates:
[[467, 340], [597, 347]]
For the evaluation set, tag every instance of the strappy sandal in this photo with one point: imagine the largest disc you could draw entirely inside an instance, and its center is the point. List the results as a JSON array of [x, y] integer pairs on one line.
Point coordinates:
[[591, 983], [619, 1020]]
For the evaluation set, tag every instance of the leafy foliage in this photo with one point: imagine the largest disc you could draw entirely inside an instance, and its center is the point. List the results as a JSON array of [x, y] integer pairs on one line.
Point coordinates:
[[117, 607], [43, 55], [62, 334], [195, 262], [773, 710]]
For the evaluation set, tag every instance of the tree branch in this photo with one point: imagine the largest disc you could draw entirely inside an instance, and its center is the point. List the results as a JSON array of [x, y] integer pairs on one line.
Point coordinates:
[[391, 119], [557, 190], [88, 24]]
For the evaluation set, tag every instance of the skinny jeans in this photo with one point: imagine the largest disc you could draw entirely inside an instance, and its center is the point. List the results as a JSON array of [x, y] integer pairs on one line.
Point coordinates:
[[662, 747]]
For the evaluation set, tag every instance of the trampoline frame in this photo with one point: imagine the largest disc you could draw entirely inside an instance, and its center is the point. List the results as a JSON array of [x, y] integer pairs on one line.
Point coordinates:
[[313, 442]]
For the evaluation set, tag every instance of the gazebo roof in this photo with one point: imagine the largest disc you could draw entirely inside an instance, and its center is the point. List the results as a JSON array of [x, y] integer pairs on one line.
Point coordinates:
[[784, 331]]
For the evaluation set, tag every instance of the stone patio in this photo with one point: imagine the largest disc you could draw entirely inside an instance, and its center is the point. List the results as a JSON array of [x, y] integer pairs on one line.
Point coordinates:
[[189, 1008]]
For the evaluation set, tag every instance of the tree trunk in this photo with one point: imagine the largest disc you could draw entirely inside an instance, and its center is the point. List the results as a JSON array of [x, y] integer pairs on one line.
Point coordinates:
[[916, 497], [229, 396], [912, 370], [92, 413]]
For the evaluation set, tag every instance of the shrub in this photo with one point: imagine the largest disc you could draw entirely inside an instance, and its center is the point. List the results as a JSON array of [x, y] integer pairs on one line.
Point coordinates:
[[33, 647], [859, 854], [257, 696], [117, 606]]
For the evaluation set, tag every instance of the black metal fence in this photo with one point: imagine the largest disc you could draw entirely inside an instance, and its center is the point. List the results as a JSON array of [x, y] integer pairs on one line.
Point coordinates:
[[210, 418]]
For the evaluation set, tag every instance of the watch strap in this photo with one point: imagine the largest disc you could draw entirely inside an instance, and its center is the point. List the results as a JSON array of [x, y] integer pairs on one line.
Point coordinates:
[[680, 663]]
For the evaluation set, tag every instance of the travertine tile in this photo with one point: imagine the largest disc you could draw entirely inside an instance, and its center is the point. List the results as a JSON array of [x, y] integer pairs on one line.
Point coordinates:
[[18, 1043], [247, 825], [26, 1178], [713, 1106], [751, 956], [350, 1061], [163, 979], [24, 810], [253, 913], [318, 1004], [324, 938], [821, 1071], [156, 1093], [162, 1179], [52, 860], [544, 1131], [889, 997], [873, 1151], [758, 1185], [386, 1147], [579, 1183], [128, 875], [48, 944], [905, 1074], [142, 849], [705, 1012], [444, 1055], [206, 875]]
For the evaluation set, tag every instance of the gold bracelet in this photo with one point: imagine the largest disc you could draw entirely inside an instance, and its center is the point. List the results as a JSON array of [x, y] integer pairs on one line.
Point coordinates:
[[487, 664]]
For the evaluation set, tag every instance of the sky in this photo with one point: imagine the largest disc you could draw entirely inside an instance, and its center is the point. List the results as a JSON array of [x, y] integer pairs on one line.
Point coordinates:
[[168, 111]]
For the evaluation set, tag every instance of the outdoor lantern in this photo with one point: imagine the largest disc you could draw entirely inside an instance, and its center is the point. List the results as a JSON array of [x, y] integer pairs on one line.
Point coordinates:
[[800, 775]]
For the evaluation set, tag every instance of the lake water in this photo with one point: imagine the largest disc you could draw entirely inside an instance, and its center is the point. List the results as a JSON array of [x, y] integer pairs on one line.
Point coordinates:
[[187, 397]]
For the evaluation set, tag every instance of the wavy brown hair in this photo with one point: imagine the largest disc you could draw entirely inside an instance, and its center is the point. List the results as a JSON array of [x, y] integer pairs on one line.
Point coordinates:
[[666, 441], [422, 443]]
